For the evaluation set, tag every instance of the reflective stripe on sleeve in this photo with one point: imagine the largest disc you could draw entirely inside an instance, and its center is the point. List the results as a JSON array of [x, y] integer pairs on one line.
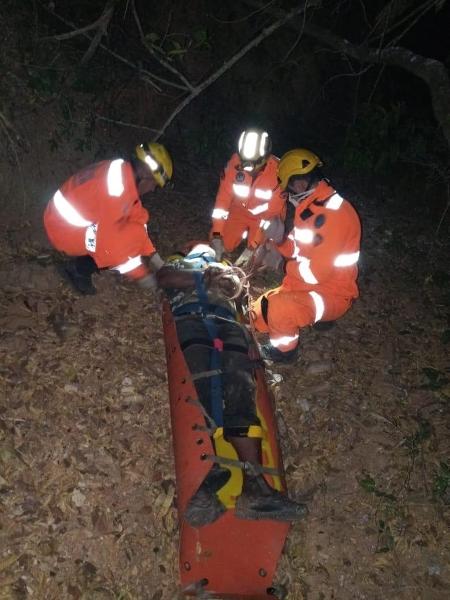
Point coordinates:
[[303, 235], [114, 179], [263, 194], [241, 190], [334, 202], [319, 304], [259, 209], [68, 212], [219, 213], [130, 265], [346, 260], [305, 270], [284, 340]]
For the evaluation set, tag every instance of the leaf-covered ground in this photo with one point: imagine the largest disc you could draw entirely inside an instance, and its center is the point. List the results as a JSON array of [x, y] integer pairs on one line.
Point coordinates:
[[87, 485]]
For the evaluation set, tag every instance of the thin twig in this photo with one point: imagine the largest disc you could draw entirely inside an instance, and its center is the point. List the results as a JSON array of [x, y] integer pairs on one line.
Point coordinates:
[[297, 40], [8, 130], [102, 28], [161, 60], [233, 60], [242, 19], [143, 73], [124, 124]]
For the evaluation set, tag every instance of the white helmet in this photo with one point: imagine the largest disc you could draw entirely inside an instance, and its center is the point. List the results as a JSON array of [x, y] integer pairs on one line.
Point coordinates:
[[254, 148]]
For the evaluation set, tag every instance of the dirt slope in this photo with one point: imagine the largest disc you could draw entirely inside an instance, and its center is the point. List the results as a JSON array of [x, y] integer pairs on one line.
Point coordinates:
[[87, 491]]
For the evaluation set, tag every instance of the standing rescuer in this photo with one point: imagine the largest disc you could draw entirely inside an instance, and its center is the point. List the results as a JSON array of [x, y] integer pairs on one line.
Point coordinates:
[[321, 253], [249, 199], [97, 217]]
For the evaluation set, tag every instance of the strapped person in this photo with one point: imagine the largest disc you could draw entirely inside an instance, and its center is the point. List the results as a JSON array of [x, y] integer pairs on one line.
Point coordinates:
[[204, 297]]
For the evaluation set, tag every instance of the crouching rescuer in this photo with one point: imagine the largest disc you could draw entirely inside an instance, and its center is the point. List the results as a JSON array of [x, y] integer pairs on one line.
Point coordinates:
[[97, 218], [205, 296], [321, 253]]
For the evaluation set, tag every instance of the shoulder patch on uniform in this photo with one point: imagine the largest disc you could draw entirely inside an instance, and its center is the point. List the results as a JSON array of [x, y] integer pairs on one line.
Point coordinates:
[[318, 239], [305, 214], [319, 221]]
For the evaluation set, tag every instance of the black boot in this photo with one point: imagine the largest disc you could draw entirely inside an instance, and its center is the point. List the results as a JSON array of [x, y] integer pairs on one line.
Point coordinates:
[[78, 273], [259, 501], [269, 352], [205, 507], [324, 325]]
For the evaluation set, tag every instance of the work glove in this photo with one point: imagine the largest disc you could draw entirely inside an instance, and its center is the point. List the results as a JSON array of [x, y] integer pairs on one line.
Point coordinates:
[[148, 282], [223, 281], [155, 261], [218, 247], [275, 230], [271, 259], [243, 260]]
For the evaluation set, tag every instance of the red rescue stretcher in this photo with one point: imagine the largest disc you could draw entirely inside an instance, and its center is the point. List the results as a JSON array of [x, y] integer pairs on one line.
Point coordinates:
[[230, 558]]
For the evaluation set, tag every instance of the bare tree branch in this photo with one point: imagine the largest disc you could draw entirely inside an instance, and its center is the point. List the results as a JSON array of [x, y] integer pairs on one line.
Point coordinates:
[[161, 60], [234, 59], [102, 28], [124, 123], [145, 75], [431, 71]]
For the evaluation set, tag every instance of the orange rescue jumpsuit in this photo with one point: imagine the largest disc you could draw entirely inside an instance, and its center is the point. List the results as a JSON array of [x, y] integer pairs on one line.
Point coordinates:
[[322, 251], [245, 203], [98, 212]]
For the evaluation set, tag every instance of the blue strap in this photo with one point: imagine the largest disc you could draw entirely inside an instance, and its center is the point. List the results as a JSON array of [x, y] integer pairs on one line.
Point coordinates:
[[201, 255], [200, 288], [216, 388], [204, 310]]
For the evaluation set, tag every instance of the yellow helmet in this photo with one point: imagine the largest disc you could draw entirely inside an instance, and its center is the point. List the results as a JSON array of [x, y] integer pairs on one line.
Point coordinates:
[[296, 162], [156, 157]]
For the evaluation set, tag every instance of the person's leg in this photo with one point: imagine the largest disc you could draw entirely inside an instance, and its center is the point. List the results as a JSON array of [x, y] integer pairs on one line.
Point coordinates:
[[233, 232], [204, 507], [79, 271], [242, 429], [281, 313]]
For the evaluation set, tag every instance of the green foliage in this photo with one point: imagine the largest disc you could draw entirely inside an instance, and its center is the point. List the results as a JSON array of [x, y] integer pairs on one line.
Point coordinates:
[[381, 137], [369, 485], [44, 82], [441, 279], [441, 482], [414, 441], [434, 381], [386, 540], [177, 45]]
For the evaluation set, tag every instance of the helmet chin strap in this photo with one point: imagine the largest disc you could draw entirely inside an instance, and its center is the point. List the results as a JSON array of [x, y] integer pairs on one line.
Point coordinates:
[[295, 199]]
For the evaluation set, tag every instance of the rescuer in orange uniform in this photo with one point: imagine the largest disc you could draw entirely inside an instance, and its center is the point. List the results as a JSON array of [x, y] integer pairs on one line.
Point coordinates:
[[321, 253], [97, 216], [249, 199]]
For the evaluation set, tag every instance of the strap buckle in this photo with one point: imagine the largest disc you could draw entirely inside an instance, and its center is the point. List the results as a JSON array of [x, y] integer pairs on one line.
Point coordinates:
[[218, 344]]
